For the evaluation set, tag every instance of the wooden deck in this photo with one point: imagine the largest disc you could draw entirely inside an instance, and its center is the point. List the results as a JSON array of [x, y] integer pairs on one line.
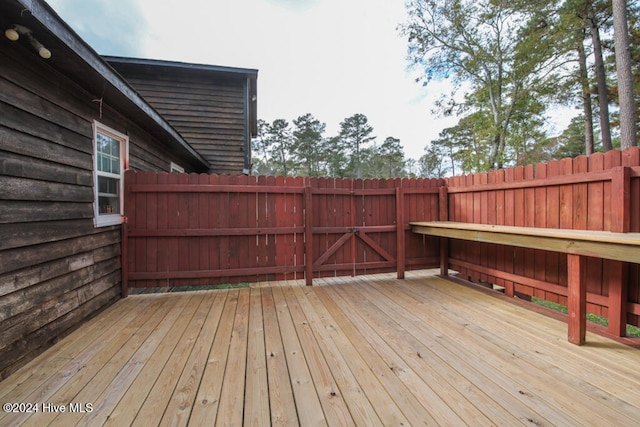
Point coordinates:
[[367, 351]]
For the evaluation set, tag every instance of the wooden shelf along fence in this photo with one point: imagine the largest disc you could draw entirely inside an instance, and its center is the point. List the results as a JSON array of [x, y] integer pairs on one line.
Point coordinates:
[[599, 192], [193, 230]]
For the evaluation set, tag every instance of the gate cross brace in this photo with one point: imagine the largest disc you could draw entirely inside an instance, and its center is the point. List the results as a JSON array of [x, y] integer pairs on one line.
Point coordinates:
[[344, 238]]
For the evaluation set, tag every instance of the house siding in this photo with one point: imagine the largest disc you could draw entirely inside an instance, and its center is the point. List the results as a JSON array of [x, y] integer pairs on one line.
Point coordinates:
[[56, 268], [208, 111]]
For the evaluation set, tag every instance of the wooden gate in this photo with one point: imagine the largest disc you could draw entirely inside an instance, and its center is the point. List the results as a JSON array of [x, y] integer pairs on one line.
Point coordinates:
[[355, 230]]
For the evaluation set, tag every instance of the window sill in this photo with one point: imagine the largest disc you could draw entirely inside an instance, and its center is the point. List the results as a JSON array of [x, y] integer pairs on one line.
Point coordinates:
[[107, 220]]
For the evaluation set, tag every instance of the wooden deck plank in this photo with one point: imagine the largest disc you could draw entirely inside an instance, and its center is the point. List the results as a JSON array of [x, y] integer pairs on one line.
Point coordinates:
[[538, 329], [256, 402], [44, 375], [231, 407], [281, 400], [370, 350]]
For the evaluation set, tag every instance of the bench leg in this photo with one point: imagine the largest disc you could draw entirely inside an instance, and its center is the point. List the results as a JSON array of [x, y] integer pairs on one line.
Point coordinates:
[[577, 304], [444, 256], [618, 295]]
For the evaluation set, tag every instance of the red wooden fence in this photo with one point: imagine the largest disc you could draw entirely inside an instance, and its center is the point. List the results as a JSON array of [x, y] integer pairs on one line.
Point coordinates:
[[191, 230], [601, 192]]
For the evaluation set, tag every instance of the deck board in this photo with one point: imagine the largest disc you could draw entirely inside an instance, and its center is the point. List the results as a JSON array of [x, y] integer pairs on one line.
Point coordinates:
[[369, 350]]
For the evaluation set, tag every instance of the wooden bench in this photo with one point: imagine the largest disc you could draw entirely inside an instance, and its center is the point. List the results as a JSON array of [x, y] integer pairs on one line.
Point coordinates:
[[577, 244]]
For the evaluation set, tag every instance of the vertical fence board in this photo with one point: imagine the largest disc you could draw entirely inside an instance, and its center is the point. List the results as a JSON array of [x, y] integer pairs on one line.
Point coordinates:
[[499, 178], [203, 222], [595, 212], [193, 212], [529, 201], [540, 220], [518, 217], [553, 259], [308, 233], [262, 221], [280, 210], [140, 220], [272, 214]]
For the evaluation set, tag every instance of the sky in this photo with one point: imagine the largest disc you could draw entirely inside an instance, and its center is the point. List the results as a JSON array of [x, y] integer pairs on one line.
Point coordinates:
[[330, 58]]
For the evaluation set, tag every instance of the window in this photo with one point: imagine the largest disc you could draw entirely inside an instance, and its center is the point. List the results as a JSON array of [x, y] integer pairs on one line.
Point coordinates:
[[176, 168], [111, 150]]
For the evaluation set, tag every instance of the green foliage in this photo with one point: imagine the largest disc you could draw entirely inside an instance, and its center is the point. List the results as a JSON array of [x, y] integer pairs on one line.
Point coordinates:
[[307, 147], [432, 162], [632, 331], [306, 151], [512, 60], [355, 133], [571, 142], [391, 155]]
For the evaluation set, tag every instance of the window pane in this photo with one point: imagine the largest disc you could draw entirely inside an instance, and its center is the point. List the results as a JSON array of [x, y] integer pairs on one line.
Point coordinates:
[[108, 195], [115, 166], [108, 152]]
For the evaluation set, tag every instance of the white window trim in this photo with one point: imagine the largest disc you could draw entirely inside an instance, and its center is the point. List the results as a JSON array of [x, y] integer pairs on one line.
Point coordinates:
[[116, 218], [176, 168]]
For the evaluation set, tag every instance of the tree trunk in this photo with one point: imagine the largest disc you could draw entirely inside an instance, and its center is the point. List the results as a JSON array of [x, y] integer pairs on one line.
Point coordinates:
[[603, 99], [586, 99], [625, 77]]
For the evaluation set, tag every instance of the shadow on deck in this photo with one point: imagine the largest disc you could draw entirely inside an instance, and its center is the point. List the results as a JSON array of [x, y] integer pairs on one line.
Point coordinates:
[[370, 350]]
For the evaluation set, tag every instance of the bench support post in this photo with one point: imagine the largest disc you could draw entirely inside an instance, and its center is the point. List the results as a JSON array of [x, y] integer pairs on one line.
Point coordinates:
[[443, 215], [444, 256], [577, 295], [618, 295]]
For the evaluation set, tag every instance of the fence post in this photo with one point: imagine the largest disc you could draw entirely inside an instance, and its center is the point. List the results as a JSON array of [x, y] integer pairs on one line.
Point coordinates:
[[400, 252], [130, 178], [124, 259], [620, 223], [308, 233]]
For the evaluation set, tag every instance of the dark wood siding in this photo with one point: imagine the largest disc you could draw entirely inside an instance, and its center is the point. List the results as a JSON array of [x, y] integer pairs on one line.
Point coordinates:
[[208, 111], [56, 268]]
